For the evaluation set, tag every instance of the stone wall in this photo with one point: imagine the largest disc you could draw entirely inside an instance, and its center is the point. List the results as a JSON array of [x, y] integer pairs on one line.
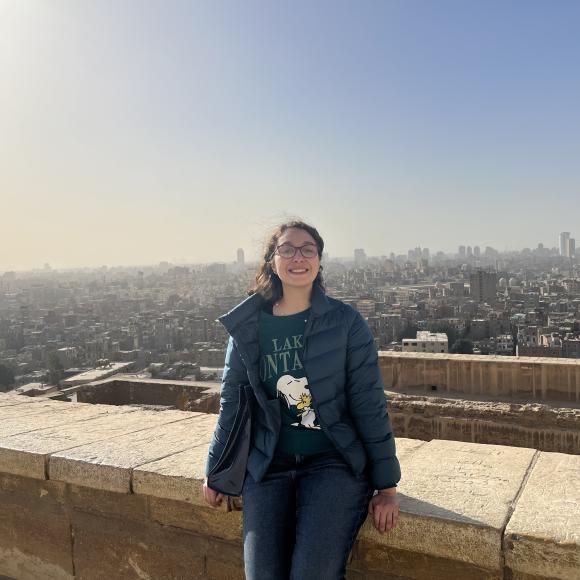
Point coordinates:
[[123, 390], [521, 425], [417, 416], [96, 491], [506, 377]]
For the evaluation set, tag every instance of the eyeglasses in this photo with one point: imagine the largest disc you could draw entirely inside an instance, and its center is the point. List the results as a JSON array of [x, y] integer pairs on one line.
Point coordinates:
[[287, 251]]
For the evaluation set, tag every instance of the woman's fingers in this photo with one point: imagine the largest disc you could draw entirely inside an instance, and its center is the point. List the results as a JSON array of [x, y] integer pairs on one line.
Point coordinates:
[[385, 516], [383, 519], [212, 497], [389, 522]]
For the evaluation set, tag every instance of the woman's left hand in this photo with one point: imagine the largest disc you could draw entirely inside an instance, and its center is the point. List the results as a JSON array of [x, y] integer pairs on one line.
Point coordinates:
[[385, 511]]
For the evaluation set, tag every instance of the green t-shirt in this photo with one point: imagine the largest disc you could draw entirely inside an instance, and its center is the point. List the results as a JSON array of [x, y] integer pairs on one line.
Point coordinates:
[[282, 373]]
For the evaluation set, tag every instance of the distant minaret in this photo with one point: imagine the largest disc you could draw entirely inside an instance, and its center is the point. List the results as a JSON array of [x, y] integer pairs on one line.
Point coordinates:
[[240, 257]]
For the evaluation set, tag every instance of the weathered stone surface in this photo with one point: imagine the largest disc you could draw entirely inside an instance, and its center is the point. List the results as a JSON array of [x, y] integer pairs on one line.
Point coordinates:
[[455, 500], [27, 453], [207, 521], [108, 464], [543, 535], [407, 446], [107, 503], [477, 421], [379, 561], [8, 399], [32, 493], [119, 549], [15, 420], [35, 540], [225, 556], [530, 378], [179, 476]]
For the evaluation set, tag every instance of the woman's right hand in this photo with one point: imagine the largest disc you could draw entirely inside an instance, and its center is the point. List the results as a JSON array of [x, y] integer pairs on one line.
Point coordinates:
[[212, 497]]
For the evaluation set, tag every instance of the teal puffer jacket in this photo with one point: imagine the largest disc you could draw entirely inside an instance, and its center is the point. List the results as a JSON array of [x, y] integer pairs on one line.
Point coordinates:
[[341, 364]]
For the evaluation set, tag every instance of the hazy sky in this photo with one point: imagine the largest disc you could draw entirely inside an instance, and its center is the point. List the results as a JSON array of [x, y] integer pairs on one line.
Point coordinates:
[[138, 131]]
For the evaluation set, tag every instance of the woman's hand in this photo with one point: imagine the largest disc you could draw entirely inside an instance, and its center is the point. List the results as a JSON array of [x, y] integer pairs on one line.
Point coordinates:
[[384, 507], [212, 497]]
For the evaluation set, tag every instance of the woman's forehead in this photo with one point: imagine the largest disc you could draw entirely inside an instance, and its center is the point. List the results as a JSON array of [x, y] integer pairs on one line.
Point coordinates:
[[295, 236]]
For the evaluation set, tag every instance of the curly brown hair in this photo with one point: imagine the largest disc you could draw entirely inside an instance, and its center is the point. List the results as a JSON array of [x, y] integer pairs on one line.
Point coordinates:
[[267, 283]]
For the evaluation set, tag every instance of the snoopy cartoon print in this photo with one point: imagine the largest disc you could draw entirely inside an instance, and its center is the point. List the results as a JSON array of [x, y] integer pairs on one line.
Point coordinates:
[[297, 396]]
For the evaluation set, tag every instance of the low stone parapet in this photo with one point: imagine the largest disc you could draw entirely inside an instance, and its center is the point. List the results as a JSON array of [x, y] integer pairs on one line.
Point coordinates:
[[514, 378], [95, 491]]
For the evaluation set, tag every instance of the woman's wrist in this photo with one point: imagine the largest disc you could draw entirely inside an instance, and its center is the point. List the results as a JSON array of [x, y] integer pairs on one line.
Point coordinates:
[[387, 491]]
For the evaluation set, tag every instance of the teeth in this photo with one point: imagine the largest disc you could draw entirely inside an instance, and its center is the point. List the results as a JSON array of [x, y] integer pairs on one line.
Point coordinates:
[[297, 271]]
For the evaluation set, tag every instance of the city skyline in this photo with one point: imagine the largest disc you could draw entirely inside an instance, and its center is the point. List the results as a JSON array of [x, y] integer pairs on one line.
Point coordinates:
[[459, 254], [142, 132]]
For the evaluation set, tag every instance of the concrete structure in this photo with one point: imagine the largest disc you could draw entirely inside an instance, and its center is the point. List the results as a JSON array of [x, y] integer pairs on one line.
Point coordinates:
[[118, 495], [435, 342], [36, 389], [564, 244], [505, 344], [483, 286]]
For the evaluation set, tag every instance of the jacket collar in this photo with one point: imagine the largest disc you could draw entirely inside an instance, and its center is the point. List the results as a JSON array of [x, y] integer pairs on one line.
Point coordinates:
[[251, 306]]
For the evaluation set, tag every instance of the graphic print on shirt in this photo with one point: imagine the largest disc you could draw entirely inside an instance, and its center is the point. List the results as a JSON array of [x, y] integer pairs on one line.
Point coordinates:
[[295, 393], [282, 368]]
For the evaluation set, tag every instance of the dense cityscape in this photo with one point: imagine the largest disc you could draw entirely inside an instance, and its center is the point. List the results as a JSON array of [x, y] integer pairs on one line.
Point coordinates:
[[160, 321]]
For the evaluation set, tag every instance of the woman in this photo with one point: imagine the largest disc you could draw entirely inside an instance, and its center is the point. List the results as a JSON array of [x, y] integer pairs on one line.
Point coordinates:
[[321, 438]]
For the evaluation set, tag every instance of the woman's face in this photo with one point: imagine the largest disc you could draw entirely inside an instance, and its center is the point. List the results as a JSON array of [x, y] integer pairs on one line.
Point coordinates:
[[296, 271]]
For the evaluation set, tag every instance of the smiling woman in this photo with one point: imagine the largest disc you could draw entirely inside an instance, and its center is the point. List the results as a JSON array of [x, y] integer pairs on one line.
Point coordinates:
[[321, 436]]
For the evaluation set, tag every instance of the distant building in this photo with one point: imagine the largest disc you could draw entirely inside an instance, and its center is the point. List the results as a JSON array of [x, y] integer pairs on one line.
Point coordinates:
[[366, 307], [240, 257], [461, 252], [436, 342], [360, 257], [505, 344], [483, 286], [564, 244]]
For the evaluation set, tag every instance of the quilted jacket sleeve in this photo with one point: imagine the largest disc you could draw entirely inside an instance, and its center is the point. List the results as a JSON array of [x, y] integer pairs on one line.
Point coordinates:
[[234, 377], [368, 405]]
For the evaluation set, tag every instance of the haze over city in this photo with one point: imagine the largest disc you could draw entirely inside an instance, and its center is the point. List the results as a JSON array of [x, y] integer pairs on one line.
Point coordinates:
[[137, 132]]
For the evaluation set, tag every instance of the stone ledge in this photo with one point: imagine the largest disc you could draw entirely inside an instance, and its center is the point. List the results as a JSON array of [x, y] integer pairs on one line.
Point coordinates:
[[484, 507], [457, 498], [543, 534]]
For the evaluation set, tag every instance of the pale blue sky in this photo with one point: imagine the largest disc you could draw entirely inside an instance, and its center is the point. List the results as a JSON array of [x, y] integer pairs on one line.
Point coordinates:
[[138, 131]]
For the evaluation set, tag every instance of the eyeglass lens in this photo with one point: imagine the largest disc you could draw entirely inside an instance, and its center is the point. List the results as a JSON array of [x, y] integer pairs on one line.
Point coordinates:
[[288, 251]]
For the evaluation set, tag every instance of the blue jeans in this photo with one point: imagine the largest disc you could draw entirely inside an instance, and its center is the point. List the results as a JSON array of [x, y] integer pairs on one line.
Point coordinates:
[[301, 520]]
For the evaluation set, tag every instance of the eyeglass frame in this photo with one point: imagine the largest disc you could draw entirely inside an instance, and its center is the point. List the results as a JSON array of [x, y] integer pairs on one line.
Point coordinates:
[[296, 248]]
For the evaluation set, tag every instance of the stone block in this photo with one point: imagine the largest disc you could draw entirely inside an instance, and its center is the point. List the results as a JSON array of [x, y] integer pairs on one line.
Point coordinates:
[[27, 453], [119, 549], [207, 521], [455, 501], [108, 464], [225, 560], [179, 476], [372, 560], [9, 399], [15, 420], [35, 538], [542, 537], [107, 503]]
